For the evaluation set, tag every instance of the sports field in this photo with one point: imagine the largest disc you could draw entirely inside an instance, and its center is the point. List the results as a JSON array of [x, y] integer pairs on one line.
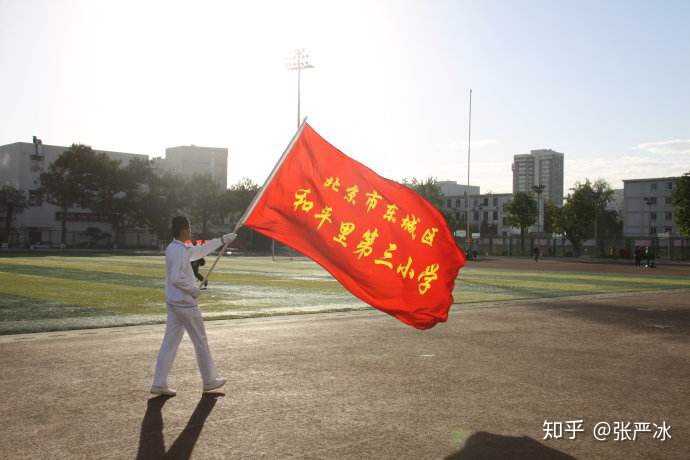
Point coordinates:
[[54, 292]]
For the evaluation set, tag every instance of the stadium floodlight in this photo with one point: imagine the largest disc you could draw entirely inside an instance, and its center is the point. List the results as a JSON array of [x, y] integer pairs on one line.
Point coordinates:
[[299, 60]]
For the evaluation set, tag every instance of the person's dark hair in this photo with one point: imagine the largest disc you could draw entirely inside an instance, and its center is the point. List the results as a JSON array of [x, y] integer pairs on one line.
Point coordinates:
[[178, 223]]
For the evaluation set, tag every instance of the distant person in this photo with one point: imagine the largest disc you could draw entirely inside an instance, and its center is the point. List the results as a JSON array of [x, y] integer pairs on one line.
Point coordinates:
[[181, 295], [536, 253], [195, 268], [474, 254], [649, 254], [638, 256]]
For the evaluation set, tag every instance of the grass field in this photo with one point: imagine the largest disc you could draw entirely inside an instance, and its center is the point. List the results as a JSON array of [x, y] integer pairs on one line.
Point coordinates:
[[41, 293]]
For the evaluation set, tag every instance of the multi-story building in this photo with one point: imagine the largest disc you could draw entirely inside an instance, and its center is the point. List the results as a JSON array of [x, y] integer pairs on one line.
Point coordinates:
[[540, 167], [21, 165], [452, 188], [616, 203], [188, 160], [647, 207], [487, 212]]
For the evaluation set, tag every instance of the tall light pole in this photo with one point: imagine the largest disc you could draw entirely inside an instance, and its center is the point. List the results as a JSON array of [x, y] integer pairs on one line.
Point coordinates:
[[539, 189], [469, 149], [298, 60]]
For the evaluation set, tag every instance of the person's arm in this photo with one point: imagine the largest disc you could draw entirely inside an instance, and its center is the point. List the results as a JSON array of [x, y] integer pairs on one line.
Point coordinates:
[[197, 252], [179, 278]]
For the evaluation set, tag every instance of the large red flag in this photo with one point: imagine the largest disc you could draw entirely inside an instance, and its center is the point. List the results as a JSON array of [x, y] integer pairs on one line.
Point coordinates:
[[382, 241]]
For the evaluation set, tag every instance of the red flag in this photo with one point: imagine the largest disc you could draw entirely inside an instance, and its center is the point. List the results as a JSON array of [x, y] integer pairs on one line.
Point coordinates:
[[382, 241]]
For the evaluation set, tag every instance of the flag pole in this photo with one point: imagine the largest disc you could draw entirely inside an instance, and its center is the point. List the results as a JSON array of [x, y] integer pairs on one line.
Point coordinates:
[[257, 197]]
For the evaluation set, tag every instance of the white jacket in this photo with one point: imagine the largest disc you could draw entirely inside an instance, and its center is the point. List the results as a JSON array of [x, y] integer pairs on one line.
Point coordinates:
[[180, 283]]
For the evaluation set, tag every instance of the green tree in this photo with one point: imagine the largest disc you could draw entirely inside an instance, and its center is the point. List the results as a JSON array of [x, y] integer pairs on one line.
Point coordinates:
[[431, 191], [681, 203], [12, 202], [162, 199], [601, 194], [583, 212], [70, 180], [204, 201], [550, 212], [522, 212], [236, 200], [119, 192]]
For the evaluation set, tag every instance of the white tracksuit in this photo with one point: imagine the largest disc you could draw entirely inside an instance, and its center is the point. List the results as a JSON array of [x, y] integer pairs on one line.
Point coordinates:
[[181, 292]]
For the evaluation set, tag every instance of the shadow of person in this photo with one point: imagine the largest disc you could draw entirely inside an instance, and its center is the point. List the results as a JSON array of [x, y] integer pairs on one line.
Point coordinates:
[[151, 442], [489, 446]]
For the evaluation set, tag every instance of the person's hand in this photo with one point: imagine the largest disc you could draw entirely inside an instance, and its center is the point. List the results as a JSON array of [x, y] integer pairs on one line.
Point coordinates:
[[228, 238], [195, 292]]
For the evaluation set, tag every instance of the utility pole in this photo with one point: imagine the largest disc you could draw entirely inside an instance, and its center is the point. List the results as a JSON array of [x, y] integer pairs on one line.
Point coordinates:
[[467, 202], [298, 60], [539, 189]]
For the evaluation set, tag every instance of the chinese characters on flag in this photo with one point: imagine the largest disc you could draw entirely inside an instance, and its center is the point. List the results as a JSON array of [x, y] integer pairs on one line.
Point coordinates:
[[382, 241]]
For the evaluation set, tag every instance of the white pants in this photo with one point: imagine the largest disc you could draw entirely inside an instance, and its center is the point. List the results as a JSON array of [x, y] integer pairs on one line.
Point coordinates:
[[182, 319]]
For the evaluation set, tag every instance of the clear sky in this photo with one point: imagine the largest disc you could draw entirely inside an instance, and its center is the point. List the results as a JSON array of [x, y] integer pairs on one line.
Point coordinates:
[[605, 82]]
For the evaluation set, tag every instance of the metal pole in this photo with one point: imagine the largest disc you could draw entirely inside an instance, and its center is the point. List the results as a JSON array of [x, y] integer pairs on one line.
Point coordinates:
[[469, 141]]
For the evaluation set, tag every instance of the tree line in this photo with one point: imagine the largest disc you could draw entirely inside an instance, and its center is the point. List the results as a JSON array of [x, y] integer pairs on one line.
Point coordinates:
[[582, 217], [136, 195], [131, 196]]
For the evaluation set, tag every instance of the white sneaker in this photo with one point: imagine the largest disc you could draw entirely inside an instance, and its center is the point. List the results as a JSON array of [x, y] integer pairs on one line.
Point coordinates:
[[214, 385], [163, 391]]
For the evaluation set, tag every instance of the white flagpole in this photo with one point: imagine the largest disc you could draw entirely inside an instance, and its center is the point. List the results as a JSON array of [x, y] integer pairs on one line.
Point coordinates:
[[258, 196]]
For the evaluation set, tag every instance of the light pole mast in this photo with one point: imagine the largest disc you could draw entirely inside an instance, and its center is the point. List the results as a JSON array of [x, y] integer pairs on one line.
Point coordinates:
[[467, 201], [298, 60], [539, 189]]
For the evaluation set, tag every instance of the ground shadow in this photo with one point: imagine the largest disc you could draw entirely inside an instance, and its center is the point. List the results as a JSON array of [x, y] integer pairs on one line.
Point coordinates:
[[151, 442], [626, 313], [489, 446]]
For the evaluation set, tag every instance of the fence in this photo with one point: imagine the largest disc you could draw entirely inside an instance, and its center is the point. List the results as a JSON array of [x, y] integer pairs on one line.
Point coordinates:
[[674, 248]]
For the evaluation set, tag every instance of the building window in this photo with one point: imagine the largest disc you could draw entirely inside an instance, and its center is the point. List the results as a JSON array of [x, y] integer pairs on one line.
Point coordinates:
[[669, 185], [652, 216], [652, 230], [486, 215], [495, 215], [475, 215], [486, 202], [457, 202], [669, 216], [653, 186], [495, 201], [449, 203], [35, 198]]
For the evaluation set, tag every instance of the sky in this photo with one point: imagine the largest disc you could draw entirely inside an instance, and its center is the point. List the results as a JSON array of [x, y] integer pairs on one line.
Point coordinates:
[[604, 82]]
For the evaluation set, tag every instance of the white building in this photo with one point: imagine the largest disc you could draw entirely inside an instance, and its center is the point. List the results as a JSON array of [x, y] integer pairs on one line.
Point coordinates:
[[540, 167], [647, 207], [452, 188], [487, 210], [188, 160], [21, 165]]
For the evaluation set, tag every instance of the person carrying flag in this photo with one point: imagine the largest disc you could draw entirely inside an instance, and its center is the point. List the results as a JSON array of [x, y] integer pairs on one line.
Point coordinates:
[[181, 293]]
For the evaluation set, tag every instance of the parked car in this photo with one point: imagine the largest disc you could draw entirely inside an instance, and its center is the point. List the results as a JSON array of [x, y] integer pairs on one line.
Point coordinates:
[[46, 245]]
